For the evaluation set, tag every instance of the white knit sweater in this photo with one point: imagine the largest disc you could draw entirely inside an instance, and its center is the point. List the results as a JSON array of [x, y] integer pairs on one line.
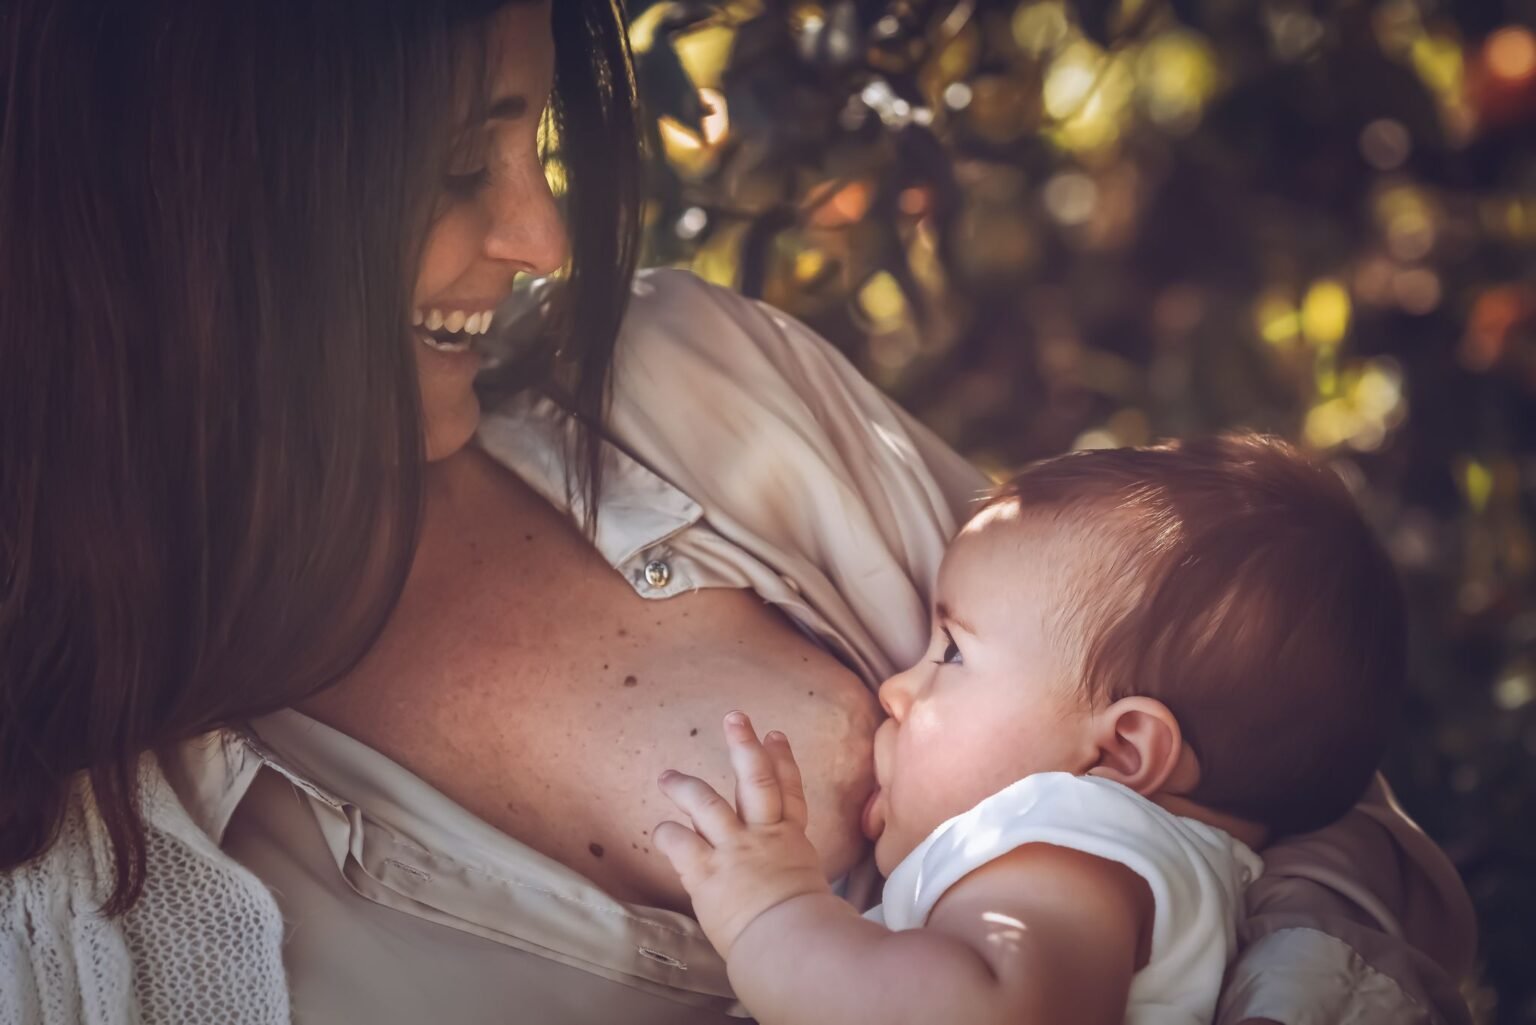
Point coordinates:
[[204, 944]]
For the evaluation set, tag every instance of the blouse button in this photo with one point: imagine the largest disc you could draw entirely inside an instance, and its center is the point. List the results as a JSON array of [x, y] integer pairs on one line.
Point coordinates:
[[657, 573]]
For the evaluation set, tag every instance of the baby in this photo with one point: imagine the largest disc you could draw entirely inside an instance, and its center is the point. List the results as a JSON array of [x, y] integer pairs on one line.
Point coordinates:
[[1143, 664]]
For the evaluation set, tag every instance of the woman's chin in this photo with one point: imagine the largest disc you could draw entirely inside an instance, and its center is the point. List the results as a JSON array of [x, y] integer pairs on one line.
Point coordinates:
[[449, 430], [450, 409]]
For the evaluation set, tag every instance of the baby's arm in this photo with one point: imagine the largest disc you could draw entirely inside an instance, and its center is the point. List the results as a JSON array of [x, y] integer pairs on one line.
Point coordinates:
[[1043, 934]]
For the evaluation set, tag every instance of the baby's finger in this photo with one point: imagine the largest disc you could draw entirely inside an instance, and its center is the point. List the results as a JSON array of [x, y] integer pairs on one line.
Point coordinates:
[[685, 849], [712, 815], [757, 784], [791, 788]]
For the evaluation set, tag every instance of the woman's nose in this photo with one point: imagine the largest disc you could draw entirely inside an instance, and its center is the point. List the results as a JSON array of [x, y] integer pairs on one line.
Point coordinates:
[[526, 227]]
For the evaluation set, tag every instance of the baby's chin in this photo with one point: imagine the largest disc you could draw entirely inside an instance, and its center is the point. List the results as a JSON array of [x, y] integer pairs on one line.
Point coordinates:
[[889, 850]]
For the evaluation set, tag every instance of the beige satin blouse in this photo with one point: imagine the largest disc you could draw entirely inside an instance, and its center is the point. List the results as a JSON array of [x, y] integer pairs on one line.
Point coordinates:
[[401, 906]]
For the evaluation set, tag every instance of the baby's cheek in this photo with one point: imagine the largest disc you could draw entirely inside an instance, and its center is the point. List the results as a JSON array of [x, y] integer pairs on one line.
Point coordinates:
[[888, 851], [910, 796], [911, 813], [947, 783]]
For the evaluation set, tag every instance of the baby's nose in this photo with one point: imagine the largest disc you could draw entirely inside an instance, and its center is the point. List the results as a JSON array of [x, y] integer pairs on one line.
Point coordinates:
[[896, 696]]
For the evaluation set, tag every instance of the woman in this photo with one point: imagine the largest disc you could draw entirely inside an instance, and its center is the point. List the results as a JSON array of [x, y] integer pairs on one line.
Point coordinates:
[[345, 699]]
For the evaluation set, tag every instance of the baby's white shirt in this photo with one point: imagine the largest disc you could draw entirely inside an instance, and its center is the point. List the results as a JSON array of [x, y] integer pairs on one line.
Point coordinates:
[[1197, 875]]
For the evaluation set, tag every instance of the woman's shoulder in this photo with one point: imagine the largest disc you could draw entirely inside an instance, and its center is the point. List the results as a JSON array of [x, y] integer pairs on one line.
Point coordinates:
[[56, 948], [676, 313], [75, 874], [672, 302], [77, 864], [693, 357], [698, 360], [202, 925]]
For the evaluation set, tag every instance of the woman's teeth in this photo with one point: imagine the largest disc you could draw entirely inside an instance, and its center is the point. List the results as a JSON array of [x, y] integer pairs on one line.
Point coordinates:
[[452, 331]]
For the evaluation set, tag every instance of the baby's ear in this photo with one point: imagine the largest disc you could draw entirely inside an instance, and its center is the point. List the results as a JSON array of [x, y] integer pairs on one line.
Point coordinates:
[[1141, 747]]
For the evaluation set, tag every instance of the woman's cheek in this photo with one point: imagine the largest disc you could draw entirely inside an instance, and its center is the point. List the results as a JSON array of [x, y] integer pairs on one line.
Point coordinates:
[[449, 252]]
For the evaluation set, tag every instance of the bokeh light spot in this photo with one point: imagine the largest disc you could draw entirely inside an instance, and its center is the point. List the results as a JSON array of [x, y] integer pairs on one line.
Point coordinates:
[[1069, 85], [1511, 53], [1070, 197], [1176, 75], [1417, 290], [1039, 28], [1476, 484], [1276, 318], [1385, 144], [716, 121], [1515, 690], [691, 223], [1325, 313], [882, 302], [1439, 64], [957, 96], [913, 201], [847, 204]]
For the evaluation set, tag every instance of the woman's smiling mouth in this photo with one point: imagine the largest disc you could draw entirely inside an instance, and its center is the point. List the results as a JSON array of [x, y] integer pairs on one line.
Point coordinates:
[[452, 330]]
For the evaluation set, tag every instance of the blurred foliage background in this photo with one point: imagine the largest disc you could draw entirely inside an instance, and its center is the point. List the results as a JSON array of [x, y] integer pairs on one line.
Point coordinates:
[[1043, 225]]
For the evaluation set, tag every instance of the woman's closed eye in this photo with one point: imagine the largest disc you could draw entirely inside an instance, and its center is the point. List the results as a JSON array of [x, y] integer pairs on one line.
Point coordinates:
[[468, 183], [480, 149], [469, 167]]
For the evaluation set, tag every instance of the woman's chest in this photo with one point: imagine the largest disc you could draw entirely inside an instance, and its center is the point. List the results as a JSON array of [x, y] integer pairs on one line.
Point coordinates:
[[526, 679]]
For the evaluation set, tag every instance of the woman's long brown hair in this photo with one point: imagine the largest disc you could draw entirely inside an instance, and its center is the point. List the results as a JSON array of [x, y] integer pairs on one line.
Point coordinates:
[[210, 446]]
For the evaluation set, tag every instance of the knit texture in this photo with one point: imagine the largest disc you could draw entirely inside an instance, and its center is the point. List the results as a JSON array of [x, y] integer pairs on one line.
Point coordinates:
[[203, 944]]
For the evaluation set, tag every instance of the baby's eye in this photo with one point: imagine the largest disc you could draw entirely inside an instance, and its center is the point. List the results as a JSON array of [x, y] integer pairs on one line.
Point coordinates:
[[951, 652]]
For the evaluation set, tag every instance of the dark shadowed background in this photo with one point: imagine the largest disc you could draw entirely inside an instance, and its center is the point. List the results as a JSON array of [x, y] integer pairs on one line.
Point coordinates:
[[1048, 225]]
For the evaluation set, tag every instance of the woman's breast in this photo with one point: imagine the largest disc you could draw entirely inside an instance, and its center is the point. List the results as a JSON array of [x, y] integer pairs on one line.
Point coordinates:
[[549, 712]]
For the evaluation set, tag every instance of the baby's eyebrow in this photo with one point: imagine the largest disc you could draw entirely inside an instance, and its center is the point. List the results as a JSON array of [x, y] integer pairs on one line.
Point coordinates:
[[947, 616]]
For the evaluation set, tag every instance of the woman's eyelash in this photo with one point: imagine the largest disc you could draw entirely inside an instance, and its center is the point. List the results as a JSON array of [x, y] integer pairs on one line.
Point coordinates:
[[468, 184]]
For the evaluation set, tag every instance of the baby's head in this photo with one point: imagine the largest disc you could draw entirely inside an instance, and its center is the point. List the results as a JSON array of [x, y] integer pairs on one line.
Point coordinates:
[[1210, 623]]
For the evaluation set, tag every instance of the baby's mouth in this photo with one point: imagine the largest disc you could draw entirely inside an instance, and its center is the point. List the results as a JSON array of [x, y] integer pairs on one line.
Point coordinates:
[[873, 819]]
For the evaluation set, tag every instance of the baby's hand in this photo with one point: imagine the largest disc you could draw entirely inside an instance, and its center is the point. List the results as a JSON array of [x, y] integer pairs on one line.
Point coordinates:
[[736, 864]]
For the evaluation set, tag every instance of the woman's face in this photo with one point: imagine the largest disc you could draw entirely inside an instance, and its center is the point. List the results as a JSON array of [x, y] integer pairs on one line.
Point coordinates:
[[496, 219]]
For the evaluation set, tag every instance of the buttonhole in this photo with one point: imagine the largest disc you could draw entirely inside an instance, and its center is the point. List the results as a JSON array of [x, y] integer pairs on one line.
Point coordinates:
[[669, 961], [414, 873]]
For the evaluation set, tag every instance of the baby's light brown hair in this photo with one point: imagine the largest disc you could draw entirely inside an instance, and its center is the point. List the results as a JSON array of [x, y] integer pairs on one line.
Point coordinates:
[[1236, 582]]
